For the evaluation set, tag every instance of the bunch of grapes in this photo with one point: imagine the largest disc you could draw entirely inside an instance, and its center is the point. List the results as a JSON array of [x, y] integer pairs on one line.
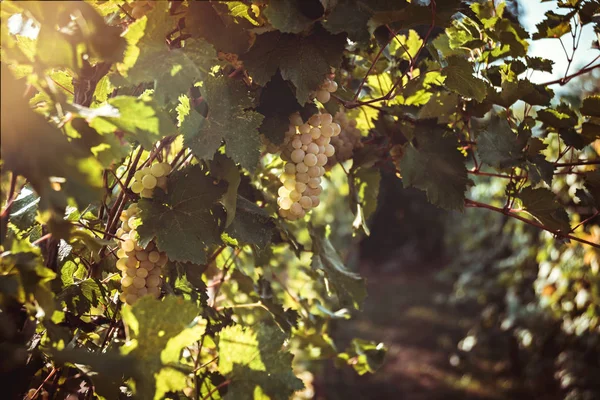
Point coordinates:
[[305, 149], [323, 93], [140, 267], [347, 141], [146, 179], [140, 8]]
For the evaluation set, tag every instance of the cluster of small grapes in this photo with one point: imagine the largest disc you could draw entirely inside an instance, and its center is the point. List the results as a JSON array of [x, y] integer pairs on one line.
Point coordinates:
[[323, 93], [146, 179], [140, 8], [305, 150], [140, 267], [347, 141]]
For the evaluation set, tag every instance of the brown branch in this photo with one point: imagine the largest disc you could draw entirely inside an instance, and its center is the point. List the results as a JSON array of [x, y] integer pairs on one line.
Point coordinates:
[[509, 213], [566, 79], [219, 386], [576, 163]]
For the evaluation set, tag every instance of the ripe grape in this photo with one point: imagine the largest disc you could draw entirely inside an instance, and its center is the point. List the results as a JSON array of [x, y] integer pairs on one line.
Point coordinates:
[[147, 179], [346, 142], [306, 148], [140, 267]]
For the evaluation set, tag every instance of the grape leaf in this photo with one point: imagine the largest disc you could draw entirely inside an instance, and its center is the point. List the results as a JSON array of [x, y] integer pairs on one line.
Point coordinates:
[[25, 278], [49, 153], [557, 117], [441, 105], [252, 224], [212, 22], [157, 332], [227, 120], [181, 219], [149, 58], [303, 60], [363, 355], [364, 190], [554, 25], [539, 63], [542, 205], [591, 106], [253, 357], [139, 119], [276, 102], [24, 209], [436, 166], [349, 286], [592, 184], [460, 79], [352, 17], [498, 146], [240, 9], [108, 370], [222, 167], [286, 16], [81, 296], [540, 169]]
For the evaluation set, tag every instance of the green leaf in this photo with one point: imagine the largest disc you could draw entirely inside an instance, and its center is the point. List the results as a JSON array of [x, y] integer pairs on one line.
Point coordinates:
[[49, 153], [364, 356], [592, 184], [436, 166], [559, 117], [364, 191], [441, 105], [107, 370], [498, 146], [542, 205], [303, 60], [348, 286], [81, 296], [554, 25], [591, 106], [223, 168], [539, 63], [253, 359], [252, 224], [181, 219], [540, 169], [149, 58], [407, 15], [212, 22], [286, 16], [460, 79], [352, 17], [157, 332], [240, 9], [139, 119], [28, 280], [227, 120], [24, 209]]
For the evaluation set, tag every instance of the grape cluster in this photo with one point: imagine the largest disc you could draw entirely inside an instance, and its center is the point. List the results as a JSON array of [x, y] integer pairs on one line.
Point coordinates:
[[323, 93], [140, 267], [305, 150], [146, 179], [140, 8], [347, 141]]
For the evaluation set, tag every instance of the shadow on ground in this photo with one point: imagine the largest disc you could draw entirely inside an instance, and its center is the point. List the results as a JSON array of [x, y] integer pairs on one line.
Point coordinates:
[[413, 317]]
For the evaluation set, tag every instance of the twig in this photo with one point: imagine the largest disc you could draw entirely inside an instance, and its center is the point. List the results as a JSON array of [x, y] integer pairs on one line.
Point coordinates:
[[509, 213], [566, 79], [219, 386]]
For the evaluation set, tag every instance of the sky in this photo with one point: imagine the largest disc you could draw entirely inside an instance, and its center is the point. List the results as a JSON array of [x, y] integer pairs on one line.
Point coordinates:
[[551, 48]]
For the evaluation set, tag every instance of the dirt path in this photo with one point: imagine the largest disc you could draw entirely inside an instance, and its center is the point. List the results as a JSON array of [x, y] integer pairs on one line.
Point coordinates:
[[411, 315]]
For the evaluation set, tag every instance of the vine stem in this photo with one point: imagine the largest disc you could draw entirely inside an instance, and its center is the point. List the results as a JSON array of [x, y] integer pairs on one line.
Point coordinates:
[[12, 194], [50, 375], [219, 386], [566, 79], [577, 163], [509, 213]]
